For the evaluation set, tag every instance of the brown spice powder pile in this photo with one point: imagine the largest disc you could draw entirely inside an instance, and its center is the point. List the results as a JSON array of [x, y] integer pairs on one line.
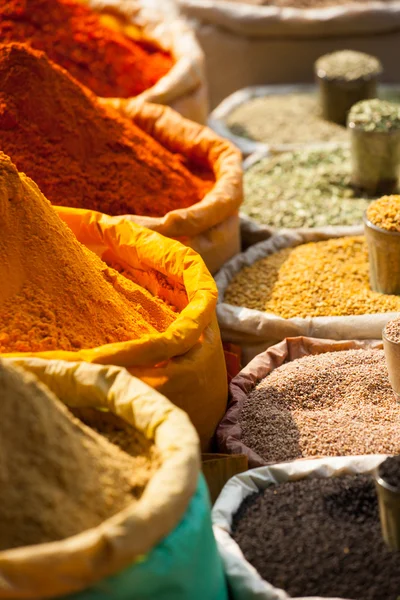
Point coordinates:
[[330, 404], [55, 294], [392, 331], [385, 213], [57, 476], [318, 279]]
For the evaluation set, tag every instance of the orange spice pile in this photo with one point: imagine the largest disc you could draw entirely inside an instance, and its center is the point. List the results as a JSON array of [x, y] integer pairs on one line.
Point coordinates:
[[55, 293]]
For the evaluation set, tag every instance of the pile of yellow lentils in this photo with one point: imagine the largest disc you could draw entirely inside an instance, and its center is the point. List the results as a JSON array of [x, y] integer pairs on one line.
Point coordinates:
[[329, 278]]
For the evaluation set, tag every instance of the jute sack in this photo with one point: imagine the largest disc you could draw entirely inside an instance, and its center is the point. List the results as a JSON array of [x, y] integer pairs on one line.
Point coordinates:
[[211, 226], [244, 581], [255, 45], [185, 362], [184, 86], [229, 433], [255, 330], [117, 558]]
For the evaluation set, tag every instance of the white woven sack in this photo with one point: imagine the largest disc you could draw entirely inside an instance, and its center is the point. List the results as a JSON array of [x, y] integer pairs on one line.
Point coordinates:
[[255, 330], [255, 45], [244, 581]]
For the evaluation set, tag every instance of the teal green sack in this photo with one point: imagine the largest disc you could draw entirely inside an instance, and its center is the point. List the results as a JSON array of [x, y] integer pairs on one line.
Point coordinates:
[[184, 566]]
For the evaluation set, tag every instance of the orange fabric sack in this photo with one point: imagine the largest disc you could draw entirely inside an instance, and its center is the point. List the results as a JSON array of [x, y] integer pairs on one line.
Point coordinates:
[[186, 362]]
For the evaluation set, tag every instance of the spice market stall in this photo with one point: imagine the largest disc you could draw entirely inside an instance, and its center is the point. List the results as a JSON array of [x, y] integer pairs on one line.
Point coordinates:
[[111, 293], [287, 530], [248, 43], [93, 503], [118, 49]]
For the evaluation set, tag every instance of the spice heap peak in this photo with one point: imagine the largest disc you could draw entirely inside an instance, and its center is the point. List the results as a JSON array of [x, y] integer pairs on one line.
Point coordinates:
[[58, 477], [385, 213], [78, 38], [80, 153], [55, 294]]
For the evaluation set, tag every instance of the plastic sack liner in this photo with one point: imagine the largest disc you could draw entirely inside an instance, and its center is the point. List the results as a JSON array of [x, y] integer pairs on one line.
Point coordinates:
[[186, 362], [210, 226], [229, 433], [56, 568], [184, 86], [255, 330], [245, 582], [248, 45]]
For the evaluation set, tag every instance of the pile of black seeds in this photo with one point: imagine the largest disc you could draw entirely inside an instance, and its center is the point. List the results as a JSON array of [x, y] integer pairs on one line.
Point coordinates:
[[319, 537], [389, 470]]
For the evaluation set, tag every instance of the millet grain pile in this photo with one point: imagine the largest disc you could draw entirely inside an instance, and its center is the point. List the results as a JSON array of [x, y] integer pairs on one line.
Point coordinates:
[[347, 65], [389, 470], [317, 279], [319, 537], [331, 404], [57, 476], [284, 119]]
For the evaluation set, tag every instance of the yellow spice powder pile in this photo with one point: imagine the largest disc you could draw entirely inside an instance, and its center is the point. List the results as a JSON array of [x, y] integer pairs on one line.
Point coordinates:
[[55, 294], [329, 278], [385, 213]]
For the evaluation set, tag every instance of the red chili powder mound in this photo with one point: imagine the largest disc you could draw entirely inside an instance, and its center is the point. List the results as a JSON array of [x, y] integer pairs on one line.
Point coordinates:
[[80, 153], [107, 61]]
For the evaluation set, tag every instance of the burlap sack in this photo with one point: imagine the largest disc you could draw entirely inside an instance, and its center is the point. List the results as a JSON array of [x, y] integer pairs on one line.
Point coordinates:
[[184, 87], [229, 433], [62, 567], [255, 45], [211, 227], [244, 581], [255, 330]]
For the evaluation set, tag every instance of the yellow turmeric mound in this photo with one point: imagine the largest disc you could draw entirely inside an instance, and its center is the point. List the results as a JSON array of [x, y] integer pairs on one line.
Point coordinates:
[[55, 294]]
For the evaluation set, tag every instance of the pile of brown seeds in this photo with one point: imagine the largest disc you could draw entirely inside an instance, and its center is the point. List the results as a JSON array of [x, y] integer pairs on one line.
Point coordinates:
[[284, 119], [348, 65], [392, 331], [385, 213], [319, 537], [330, 404], [318, 279]]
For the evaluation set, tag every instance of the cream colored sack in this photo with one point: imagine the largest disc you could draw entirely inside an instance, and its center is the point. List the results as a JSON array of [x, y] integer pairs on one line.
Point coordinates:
[[256, 45], [211, 226], [184, 87], [84, 559], [255, 331]]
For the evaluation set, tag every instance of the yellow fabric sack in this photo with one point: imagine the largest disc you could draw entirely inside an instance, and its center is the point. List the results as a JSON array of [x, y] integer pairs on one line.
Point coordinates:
[[89, 557], [210, 226], [186, 362], [184, 86]]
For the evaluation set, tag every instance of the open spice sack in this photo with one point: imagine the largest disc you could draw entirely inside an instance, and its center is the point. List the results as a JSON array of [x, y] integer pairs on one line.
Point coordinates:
[[156, 168], [239, 37], [305, 529], [108, 292], [307, 397], [118, 49], [95, 508], [311, 282]]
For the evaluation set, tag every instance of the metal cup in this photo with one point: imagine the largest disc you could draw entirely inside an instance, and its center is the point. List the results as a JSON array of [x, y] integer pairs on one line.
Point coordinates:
[[389, 511], [384, 258]]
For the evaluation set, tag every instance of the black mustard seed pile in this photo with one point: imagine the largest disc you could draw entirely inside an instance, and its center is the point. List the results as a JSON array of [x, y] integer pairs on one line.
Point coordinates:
[[389, 470], [319, 537]]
